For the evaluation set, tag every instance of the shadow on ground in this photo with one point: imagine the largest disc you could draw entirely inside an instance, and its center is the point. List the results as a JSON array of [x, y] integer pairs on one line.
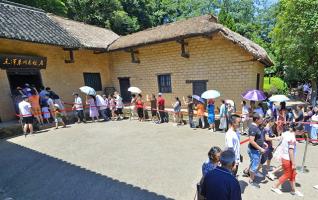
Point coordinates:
[[27, 174]]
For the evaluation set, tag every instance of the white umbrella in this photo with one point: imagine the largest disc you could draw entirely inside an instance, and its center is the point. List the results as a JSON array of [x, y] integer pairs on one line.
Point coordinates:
[[279, 98], [134, 90], [210, 94], [231, 102], [88, 90]]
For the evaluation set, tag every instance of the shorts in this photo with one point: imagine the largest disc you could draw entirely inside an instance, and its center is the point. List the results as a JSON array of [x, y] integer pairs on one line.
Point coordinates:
[[36, 111], [57, 120], [255, 159], [211, 119], [268, 155], [27, 120], [119, 111]]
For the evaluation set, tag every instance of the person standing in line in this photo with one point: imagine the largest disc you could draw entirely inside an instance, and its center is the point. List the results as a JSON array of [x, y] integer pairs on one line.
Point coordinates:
[[102, 106], [27, 90], [220, 184], [112, 107], [119, 106], [223, 113], [314, 126], [288, 160], [256, 147], [161, 108], [58, 117], [232, 139], [153, 107], [56, 99], [78, 107], [50, 105], [211, 115], [26, 114], [93, 111], [177, 111], [45, 110], [190, 106], [200, 114], [34, 100], [107, 112], [245, 117], [213, 160], [140, 108], [133, 109], [281, 118]]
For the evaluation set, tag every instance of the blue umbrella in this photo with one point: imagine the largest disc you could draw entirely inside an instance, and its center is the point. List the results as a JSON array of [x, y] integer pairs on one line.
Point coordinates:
[[196, 97]]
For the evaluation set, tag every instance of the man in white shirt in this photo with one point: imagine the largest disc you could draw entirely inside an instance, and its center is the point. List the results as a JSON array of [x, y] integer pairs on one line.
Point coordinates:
[[78, 107], [101, 103], [232, 139], [26, 114], [119, 105]]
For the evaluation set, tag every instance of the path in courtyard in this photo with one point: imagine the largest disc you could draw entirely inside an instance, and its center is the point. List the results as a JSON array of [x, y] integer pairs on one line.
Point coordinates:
[[122, 160]]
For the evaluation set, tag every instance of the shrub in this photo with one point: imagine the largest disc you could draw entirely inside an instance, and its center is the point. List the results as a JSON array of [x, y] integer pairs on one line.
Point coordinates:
[[277, 85]]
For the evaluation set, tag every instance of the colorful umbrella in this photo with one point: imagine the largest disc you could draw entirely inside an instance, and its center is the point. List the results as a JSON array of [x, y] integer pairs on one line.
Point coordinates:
[[210, 94], [254, 95], [196, 97], [88, 90], [279, 98], [134, 90]]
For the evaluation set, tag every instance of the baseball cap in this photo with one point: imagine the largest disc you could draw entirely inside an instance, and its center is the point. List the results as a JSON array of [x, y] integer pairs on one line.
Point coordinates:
[[159, 94]]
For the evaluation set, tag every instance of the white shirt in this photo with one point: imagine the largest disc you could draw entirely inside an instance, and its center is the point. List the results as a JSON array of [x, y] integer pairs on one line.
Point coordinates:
[[101, 103], [288, 142], [119, 102], [232, 141], [25, 109], [314, 118], [78, 103]]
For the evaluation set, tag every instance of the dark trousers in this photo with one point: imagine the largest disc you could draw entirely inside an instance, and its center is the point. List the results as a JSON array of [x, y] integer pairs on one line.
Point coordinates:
[[191, 123], [108, 113], [80, 115], [163, 116], [104, 114]]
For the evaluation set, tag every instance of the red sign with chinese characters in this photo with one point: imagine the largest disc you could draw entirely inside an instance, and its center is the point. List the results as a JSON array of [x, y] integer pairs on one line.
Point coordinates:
[[8, 61]]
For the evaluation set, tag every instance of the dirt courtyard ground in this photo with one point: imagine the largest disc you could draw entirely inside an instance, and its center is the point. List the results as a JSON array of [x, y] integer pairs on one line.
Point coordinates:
[[124, 160]]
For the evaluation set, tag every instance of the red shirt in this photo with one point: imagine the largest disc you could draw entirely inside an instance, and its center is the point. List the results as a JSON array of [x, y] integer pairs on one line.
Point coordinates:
[[139, 104], [161, 103]]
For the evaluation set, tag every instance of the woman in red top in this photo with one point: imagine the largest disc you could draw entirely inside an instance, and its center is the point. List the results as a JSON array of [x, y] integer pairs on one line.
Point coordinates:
[[140, 107]]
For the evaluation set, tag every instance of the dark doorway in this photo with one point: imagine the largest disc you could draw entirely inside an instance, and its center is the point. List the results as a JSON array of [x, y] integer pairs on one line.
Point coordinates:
[[124, 84], [198, 87], [17, 78]]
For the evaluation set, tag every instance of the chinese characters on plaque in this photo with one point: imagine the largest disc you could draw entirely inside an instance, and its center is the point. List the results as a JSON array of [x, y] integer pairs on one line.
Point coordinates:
[[22, 61]]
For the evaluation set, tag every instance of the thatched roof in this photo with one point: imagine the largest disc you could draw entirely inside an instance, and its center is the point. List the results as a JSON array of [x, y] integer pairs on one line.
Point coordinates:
[[197, 26], [89, 36], [20, 22]]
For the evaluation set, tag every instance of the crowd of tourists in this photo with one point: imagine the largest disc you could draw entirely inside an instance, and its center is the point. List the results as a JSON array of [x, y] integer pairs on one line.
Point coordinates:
[[263, 123]]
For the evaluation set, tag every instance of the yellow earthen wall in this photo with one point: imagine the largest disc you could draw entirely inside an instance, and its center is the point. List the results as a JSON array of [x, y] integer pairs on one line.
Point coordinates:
[[61, 77], [226, 66]]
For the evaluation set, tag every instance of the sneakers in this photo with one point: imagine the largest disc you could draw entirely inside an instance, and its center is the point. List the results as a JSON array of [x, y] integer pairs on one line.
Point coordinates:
[[276, 190], [255, 185], [297, 193], [271, 176]]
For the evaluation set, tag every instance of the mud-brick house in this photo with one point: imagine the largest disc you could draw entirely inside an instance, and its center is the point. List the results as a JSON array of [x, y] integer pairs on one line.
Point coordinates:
[[177, 59]]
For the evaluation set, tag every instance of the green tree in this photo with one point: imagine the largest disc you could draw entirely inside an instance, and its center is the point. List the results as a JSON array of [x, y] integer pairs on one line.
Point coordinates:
[[53, 6], [296, 39]]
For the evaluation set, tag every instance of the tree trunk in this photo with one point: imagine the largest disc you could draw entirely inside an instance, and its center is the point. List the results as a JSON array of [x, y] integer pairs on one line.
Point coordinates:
[[314, 92]]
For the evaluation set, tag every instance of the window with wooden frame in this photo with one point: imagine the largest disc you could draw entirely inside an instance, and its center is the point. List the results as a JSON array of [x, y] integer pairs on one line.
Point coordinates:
[[164, 83], [93, 80]]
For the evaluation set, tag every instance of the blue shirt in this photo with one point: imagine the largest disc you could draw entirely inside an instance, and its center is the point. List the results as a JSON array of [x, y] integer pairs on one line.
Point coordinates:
[[210, 109], [220, 184], [207, 166]]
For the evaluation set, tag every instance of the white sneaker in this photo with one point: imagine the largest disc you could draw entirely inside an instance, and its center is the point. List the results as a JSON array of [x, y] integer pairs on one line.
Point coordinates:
[[271, 176], [316, 187], [276, 190], [297, 193]]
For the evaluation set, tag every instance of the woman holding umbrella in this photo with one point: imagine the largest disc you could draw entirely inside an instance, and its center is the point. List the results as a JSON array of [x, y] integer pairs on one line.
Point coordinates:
[[211, 115]]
